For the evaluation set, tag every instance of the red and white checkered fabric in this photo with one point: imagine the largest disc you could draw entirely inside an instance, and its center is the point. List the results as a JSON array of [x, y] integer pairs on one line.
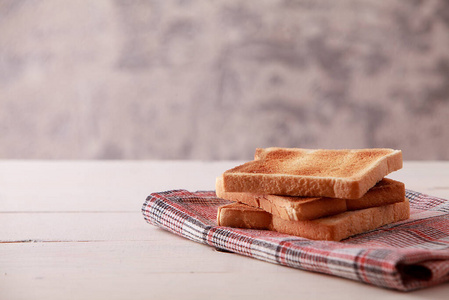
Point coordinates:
[[406, 256]]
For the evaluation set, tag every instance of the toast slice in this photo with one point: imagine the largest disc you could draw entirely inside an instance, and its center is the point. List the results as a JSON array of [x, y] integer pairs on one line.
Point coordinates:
[[347, 174], [292, 208], [334, 228]]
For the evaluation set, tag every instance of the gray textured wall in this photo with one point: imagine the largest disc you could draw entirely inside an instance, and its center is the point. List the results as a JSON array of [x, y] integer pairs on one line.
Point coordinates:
[[209, 79]]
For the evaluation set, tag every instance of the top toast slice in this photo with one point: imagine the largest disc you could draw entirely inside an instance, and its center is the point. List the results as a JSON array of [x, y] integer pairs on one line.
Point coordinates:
[[345, 174]]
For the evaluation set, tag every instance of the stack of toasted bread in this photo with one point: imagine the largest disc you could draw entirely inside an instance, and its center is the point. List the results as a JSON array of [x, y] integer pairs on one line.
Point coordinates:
[[315, 194]]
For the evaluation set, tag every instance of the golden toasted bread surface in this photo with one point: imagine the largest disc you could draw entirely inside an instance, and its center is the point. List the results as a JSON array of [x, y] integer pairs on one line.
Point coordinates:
[[304, 172]]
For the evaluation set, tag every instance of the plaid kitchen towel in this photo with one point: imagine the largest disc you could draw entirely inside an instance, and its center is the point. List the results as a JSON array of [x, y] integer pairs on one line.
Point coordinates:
[[406, 256]]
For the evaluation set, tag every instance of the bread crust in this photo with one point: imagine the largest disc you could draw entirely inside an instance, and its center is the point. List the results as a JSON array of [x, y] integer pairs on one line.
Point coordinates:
[[345, 174], [334, 228]]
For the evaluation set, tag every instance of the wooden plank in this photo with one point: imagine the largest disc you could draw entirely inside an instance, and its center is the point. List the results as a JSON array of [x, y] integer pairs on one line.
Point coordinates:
[[98, 185], [147, 270], [76, 226]]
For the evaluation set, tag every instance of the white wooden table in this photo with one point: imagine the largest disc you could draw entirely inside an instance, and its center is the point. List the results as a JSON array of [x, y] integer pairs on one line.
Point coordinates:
[[74, 230]]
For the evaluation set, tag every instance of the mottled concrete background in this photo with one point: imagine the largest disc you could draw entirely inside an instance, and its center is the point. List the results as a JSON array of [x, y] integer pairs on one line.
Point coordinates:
[[203, 79]]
